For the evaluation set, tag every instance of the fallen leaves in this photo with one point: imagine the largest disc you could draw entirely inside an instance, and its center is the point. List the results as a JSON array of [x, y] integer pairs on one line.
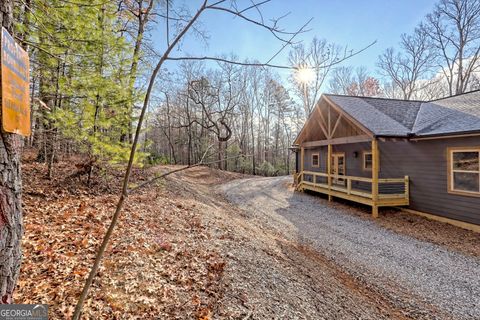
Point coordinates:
[[159, 264]]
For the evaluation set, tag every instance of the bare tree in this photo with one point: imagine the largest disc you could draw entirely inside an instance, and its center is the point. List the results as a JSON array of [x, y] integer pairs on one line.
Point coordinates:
[[319, 57], [405, 69], [163, 122], [433, 88], [257, 113], [454, 29], [216, 111], [340, 80], [347, 81], [316, 62]]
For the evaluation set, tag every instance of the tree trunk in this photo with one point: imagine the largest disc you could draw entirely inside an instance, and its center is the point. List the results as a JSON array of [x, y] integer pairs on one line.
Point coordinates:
[[225, 157], [189, 134], [51, 138], [254, 171], [11, 220], [220, 162], [143, 15]]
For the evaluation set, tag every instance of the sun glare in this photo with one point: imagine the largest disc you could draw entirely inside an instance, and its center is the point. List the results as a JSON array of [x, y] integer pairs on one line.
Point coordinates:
[[304, 74]]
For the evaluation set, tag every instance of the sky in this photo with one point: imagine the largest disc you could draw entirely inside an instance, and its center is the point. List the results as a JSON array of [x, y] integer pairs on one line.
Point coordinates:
[[351, 23]]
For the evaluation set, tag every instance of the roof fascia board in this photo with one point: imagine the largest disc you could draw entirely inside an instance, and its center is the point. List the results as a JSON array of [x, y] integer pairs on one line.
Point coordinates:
[[446, 136]]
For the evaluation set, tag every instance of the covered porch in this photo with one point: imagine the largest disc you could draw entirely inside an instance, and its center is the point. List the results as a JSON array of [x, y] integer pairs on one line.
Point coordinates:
[[332, 168]]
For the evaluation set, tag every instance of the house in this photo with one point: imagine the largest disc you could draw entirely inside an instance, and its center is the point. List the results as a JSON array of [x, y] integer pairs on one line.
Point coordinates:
[[424, 156]]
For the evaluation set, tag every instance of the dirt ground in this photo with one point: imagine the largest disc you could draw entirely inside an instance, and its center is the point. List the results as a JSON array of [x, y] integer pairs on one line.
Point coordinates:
[[452, 237], [415, 278], [184, 251]]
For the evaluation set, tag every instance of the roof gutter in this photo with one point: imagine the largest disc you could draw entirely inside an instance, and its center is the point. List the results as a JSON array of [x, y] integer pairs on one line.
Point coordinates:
[[416, 137], [447, 135], [392, 136]]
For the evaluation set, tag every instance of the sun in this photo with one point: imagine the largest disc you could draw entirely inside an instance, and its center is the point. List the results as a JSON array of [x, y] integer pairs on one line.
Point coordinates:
[[304, 74]]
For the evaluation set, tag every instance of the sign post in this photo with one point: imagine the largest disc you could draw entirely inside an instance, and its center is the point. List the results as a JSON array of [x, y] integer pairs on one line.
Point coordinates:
[[15, 75]]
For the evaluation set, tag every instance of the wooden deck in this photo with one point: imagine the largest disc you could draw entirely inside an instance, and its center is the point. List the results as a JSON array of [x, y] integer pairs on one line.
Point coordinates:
[[391, 192]]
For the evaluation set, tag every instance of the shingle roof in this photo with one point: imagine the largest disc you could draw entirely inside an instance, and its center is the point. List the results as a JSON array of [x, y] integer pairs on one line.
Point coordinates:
[[402, 111], [451, 115], [391, 117]]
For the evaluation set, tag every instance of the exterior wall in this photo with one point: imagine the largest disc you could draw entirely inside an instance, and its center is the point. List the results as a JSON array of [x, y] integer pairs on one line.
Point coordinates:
[[425, 162], [353, 166], [307, 162]]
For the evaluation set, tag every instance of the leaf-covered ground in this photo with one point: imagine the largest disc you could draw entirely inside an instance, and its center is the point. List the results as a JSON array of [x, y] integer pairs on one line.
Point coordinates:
[[160, 262]]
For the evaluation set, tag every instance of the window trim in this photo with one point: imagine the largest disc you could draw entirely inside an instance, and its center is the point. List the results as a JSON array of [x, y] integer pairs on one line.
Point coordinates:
[[363, 164], [318, 155], [451, 171]]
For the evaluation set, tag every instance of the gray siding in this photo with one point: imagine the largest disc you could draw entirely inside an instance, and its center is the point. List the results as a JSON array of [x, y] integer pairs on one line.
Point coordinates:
[[425, 162], [353, 166], [308, 162]]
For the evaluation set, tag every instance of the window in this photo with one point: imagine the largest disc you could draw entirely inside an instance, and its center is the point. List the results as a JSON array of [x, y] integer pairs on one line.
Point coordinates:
[[316, 160], [367, 161], [464, 171]]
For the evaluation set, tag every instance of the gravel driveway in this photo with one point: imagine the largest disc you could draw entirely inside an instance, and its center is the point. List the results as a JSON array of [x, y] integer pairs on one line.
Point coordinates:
[[423, 279]]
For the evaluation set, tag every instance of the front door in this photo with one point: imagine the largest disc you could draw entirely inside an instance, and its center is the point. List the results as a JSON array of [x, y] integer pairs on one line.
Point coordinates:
[[338, 168]]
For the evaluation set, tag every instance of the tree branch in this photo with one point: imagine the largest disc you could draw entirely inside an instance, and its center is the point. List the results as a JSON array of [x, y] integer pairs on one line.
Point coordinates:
[[269, 65], [124, 194]]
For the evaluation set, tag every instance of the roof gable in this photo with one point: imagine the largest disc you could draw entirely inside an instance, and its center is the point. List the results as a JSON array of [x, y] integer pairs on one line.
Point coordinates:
[[391, 117], [327, 121]]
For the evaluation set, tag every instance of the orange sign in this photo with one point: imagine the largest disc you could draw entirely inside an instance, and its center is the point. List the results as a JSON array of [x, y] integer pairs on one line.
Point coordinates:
[[15, 86]]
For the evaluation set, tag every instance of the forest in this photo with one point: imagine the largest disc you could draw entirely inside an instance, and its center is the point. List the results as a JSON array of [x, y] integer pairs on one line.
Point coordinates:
[[91, 61]]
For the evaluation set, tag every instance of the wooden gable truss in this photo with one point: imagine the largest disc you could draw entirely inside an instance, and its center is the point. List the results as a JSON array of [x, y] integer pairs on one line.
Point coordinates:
[[329, 124]]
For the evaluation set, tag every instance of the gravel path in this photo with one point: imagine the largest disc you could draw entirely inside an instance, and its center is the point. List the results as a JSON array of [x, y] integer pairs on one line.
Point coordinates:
[[422, 279]]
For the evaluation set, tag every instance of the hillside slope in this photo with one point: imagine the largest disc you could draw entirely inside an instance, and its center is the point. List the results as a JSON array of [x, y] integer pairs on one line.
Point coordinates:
[[180, 251]]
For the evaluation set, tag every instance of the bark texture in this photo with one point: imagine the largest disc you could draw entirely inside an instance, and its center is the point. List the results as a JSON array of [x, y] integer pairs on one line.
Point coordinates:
[[11, 221]]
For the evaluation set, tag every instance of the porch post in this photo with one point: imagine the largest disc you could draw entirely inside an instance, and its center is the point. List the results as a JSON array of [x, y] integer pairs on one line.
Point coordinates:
[[302, 155], [299, 175], [329, 171], [375, 169]]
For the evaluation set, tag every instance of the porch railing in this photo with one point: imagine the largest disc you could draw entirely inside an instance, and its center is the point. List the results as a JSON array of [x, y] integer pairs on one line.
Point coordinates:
[[391, 191]]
